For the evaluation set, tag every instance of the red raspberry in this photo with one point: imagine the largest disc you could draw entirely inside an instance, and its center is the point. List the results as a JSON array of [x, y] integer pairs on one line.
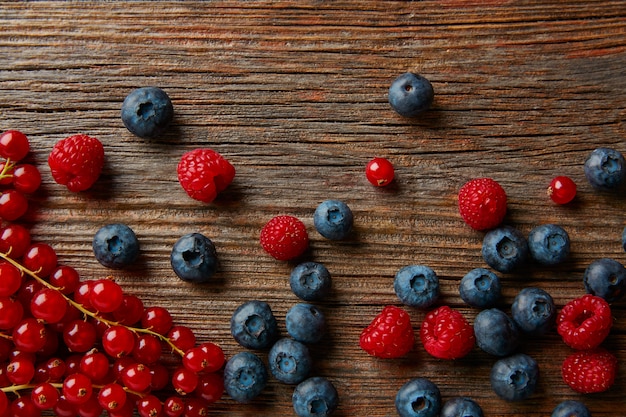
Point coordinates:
[[204, 173], [585, 322], [389, 335], [590, 371], [77, 162], [446, 334], [284, 237], [482, 203]]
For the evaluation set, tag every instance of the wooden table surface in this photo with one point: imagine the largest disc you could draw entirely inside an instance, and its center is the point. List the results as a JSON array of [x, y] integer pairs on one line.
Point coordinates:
[[294, 94]]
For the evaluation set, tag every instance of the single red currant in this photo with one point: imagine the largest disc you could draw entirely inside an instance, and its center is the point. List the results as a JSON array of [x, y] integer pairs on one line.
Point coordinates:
[[112, 397], [174, 406], [157, 319], [196, 407], [95, 365], [136, 377], [562, 190], [29, 335], [105, 295], [20, 370], [11, 279], [379, 172], [77, 388], [90, 408], [65, 279], [160, 376], [216, 358], [118, 341], [14, 145], [184, 381], [64, 408], [55, 369], [79, 336], [147, 349], [48, 305], [45, 396], [81, 294], [210, 387], [14, 240], [149, 406], [11, 313], [130, 311], [24, 407], [13, 205], [40, 258], [182, 337], [26, 178], [196, 359]]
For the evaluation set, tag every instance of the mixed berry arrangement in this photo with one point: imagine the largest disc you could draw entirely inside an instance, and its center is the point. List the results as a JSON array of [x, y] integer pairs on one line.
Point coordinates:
[[79, 347]]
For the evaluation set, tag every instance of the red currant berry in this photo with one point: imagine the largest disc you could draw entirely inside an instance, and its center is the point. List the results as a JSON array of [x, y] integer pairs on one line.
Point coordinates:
[[174, 406], [65, 279], [26, 178], [182, 337], [64, 408], [147, 349], [196, 407], [137, 377], [196, 359], [55, 369], [11, 313], [14, 145], [562, 190], [95, 365], [118, 341], [157, 319], [48, 305], [112, 397], [130, 311], [184, 381], [20, 370], [45, 396], [90, 408], [105, 295], [77, 388], [149, 406], [81, 294], [4, 403], [29, 335], [13, 205], [118, 367], [24, 407], [14, 240], [127, 410], [11, 279], [160, 376], [379, 172], [79, 336], [5, 350], [216, 358], [40, 258], [26, 292], [210, 387]]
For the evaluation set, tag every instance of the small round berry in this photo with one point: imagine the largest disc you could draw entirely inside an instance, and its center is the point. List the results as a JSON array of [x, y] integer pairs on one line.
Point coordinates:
[[253, 325], [310, 281], [315, 397], [14, 145], [40, 258], [548, 244], [605, 169], [13, 205], [505, 249], [158, 319], [418, 397], [411, 94], [284, 237], [15, 239], [333, 219], [379, 172], [306, 323], [496, 333], [147, 112], [417, 286], [562, 189], [461, 407], [77, 388], [194, 258], [26, 178], [289, 361], [245, 376], [606, 278], [480, 288], [570, 408], [115, 246], [533, 311], [515, 377]]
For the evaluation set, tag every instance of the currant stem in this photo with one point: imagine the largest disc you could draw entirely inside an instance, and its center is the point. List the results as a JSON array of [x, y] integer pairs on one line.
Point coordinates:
[[17, 388], [83, 310], [8, 166]]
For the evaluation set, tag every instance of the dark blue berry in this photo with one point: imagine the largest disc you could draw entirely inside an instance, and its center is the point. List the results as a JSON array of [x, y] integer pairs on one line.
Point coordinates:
[[548, 244], [306, 323], [418, 398], [515, 377], [504, 249], [115, 246], [333, 219], [310, 281], [571, 408], [147, 112], [605, 169], [461, 407], [253, 325], [411, 94], [480, 288], [533, 311], [193, 258], [624, 239], [245, 376], [290, 361], [315, 397], [605, 278], [417, 286], [496, 333]]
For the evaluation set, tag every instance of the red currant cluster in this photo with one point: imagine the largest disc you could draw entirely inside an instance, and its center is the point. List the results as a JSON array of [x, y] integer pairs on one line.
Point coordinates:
[[17, 178], [81, 348]]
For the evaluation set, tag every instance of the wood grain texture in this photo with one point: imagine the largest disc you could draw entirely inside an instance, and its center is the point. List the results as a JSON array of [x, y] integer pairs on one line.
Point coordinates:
[[294, 94]]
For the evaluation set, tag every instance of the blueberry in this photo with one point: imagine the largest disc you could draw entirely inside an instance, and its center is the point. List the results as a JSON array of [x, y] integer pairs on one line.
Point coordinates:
[[411, 94], [333, 219], [193, 258], [533, 311], [496, 333], [624, 239], [570, 408], [418, 398], [147, 112], [605, 169], [417, 286], [253, 325], [310, 281], [245, 376], [548, 244], [480, 288], [115, 246], [504, 248], [515, 377], [290, 361], [315, 397], [605, 278], [461, 407], [306, 323]]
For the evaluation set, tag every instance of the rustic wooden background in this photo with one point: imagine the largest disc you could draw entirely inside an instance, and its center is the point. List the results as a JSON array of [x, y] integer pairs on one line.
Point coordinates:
[[294, 94]]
